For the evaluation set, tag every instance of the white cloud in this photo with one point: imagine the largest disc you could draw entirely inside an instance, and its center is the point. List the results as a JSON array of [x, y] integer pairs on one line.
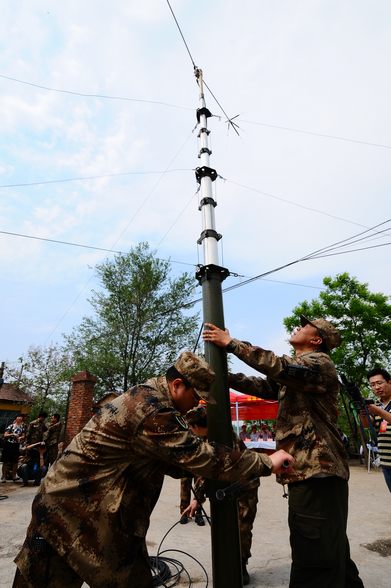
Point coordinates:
[[320, 67]]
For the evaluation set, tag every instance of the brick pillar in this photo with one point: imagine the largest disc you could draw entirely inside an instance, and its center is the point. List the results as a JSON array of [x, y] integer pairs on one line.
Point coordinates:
[[80, 404]]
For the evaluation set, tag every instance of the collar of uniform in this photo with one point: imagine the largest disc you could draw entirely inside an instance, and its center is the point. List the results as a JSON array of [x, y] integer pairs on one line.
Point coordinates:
[[160, 384], [312, 352]]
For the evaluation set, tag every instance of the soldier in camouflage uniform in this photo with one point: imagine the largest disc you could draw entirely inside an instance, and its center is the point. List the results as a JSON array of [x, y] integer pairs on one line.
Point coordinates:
[[247, 497], [92, 512], [307, 388], [36, 429], [53, 439]]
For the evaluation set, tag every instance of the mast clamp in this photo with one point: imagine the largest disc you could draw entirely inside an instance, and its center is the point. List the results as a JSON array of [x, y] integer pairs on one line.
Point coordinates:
[[203, 130], [206, 272], [207, 200], [205, 171], [209, 233], [203, 111], [204, 150]]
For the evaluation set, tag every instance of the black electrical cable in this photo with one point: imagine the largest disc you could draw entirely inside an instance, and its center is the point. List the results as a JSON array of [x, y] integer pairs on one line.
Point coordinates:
[[161, 567]]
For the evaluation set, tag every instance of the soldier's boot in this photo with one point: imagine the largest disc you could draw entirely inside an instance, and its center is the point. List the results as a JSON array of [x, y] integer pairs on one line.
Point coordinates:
[[199, 519]]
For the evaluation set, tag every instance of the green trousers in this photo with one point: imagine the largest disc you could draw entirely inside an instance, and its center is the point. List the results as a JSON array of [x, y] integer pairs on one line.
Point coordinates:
[[318, 512]]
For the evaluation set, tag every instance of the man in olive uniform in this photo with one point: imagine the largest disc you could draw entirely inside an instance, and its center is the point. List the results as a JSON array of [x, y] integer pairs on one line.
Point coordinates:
[[92, 512], [53, 439], [247, 493], [36, 429], [306, 385]]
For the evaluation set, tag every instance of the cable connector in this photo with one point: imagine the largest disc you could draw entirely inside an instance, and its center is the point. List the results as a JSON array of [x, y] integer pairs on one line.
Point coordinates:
[[229, 493]]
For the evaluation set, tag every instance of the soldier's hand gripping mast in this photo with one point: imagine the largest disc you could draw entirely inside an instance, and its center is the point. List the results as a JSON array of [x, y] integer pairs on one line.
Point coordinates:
[[226, 557]]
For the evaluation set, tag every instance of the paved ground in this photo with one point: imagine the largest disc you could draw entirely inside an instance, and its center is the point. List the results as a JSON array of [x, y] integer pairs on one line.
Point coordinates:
[[369, 521]]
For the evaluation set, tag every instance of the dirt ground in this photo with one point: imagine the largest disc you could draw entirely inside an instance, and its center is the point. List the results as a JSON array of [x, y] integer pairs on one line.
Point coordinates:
[[369, 532]]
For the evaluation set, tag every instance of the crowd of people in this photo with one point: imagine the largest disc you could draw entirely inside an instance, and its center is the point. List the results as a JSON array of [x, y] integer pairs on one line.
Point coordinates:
[[262, 432], [29, 449]]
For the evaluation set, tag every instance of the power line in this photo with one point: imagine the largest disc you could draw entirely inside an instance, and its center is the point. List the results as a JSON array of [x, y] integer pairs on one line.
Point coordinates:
[[350, 250], [170, 105], [292, 203], [104, 96], [95, 248], [97, 177], [175, 170], [319, 253], [70, 243], [315, 134]]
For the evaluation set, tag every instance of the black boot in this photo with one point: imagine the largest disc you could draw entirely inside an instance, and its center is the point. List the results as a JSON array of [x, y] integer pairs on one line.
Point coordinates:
[[199, 519]]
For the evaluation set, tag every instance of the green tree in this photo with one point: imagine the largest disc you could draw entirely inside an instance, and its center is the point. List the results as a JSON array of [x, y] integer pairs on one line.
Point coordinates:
[[140, 324], [44, 375], [363, 319]]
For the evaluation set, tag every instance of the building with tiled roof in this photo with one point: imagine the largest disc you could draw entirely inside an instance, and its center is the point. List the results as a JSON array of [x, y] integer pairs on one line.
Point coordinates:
[[13, 401]]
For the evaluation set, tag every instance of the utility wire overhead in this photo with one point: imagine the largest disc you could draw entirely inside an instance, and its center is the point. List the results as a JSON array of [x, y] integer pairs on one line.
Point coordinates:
[[293, 203], [229, 119], [83, 246], [319, 253], [175, 170], [97, 177], [317, 134], [323, 252], [104, 96], [95, 248]]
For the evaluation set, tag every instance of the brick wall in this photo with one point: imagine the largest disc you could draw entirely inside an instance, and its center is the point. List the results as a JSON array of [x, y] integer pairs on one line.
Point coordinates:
[[80, 404]]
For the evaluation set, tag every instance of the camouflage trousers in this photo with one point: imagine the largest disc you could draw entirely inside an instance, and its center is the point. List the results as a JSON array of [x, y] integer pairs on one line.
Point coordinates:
[[185, 497], [40, 566], [45, 568], [247, 510]]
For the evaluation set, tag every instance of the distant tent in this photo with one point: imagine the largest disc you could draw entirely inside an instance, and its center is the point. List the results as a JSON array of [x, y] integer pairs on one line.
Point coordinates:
[[250, 408]]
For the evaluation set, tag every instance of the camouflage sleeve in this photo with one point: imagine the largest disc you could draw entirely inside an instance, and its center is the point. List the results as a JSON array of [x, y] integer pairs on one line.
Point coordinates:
[[311, 372], [200, 485], [252, 385], [166, 437]]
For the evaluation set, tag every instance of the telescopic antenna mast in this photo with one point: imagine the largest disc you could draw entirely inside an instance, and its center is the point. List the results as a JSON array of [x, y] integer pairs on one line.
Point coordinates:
[[226, 556]]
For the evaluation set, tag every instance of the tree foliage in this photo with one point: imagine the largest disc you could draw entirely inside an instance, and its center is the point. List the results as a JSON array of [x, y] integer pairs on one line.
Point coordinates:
[[140, 322], [44, 375], [363, 319]]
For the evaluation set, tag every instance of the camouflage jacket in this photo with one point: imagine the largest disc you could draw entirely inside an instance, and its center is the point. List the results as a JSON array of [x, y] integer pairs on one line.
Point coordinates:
[[35, 432], [95, 503], [247, 485], [54, 434], [307, 415]]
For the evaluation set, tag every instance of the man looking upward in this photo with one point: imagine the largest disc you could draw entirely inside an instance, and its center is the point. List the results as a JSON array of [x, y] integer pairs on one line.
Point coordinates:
[[307, 388]]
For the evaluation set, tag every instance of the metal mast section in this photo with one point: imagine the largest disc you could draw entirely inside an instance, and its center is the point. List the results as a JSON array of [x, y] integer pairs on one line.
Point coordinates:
[[226, 556]]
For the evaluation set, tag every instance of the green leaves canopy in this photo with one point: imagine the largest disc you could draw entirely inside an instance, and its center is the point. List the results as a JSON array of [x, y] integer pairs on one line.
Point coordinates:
[[140, 322]]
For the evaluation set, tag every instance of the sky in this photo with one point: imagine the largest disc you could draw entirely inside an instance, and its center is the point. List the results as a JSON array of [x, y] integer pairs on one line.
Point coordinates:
[[98, 147]]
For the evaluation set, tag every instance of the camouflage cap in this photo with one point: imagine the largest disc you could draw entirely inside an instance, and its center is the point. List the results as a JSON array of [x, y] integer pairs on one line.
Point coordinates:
[[330, 335], [196, 372]]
